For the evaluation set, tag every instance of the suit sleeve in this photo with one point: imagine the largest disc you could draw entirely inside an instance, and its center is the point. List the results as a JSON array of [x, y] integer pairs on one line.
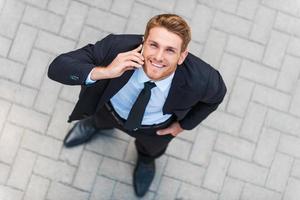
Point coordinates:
[[72, 68], [215, 93]]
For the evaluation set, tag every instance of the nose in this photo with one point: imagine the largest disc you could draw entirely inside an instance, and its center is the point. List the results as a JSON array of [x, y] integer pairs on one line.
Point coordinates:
[[159, 56]]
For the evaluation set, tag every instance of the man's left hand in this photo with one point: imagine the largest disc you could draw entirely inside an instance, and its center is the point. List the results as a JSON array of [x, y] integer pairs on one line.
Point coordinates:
[[174, 129]]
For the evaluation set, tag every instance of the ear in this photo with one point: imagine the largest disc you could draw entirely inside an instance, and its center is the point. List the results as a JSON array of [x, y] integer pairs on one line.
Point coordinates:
[[182, 57]]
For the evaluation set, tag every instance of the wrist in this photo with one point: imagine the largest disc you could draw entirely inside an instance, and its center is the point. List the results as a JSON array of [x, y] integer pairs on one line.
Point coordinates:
[[99, 73]]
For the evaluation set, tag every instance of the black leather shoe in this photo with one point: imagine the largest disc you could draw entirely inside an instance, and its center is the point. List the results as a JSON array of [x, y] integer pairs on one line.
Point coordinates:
[[142, 177], [81, 132]]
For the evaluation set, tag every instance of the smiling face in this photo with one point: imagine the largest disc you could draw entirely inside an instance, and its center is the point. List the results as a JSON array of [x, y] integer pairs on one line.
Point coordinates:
[[162, 53]]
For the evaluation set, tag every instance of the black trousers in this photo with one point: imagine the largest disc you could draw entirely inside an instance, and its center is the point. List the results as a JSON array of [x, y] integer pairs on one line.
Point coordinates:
[[149, 145]]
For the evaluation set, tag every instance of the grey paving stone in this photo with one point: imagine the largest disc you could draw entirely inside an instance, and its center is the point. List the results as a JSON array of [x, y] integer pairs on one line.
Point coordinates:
[[167, 5], [279, 172], [36, 68], [28, 118], [42, 19], [5, 46], [188, 191], [8, 193], [185, 9], [9, 142], [58, 6], [87, 171], [259, 193], [247, 8], [4, 109], [37, 188], [73, 22], [22, 169], [184, 146], [102, 188], [216, 172], [71, 155], [214, 48], [59, 191], [235, 146], [167, 188], [203, 146], [54, 170], [124, 191], [255, 174], [295, 106], [266, 147], [240, 96], [292, 190], [232, 189], [184, 171], [17, 93], [4, 172], [226, 5], [294, 46], [41, 144], [276, 46], [289, 6], [253, 122], [10, 69], [23, 43], [122, 7], [10, 17], [39, 3]]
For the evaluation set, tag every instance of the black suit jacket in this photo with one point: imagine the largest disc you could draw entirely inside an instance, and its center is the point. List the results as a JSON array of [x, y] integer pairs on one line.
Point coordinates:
[[196, 89]]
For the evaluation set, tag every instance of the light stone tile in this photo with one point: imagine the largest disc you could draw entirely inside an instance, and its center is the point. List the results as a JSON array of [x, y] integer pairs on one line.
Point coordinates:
[[229, 68], [41, 144], [54, 170], [275, 49], [214, 48], [290, 6], [71, 155], [266, 147], [295, 104], [226, 5], [259, 193], [42, 19], [289, 145], [167, 188], [37, 188], [103, 188], [248, 172], [279, 172], [184, 171], [292, 191], [87, 171], [203, 146], [4, 173], [22, 169], [247, 8], [73, 22], [38, 3], [184, 146], [116, 170], [10, 17], [235, 146], [9, 142], [201, 23], [121, 7], [53, 43], [125, 191], [23, 43], [245, 48], [167, 5], [188, 191], [262, 26], [231, 24], [90, 35], [5, 46], [283, 122], [4, 109], [58, 6], [240, 96], [266, 96], [8, 193], [17, 93], [185, 9], [28, 118], [223, 121], [59, 191], [36, 68], [296, 169], [10, 69], [232, 189], [253, 122], [258, 73], [216, 172]]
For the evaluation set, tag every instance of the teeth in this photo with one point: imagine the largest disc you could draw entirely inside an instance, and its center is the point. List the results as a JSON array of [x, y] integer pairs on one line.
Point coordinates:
[[156, 65]]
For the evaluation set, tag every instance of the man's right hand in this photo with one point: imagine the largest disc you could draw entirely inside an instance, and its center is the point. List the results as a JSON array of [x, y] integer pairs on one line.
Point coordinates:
[[124, 61]]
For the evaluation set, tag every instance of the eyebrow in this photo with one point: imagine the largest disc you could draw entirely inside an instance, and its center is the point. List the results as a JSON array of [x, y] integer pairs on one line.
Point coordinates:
[[170, 47]]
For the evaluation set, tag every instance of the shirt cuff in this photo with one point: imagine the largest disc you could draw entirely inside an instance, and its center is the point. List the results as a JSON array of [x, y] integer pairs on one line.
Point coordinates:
[[89, 80]]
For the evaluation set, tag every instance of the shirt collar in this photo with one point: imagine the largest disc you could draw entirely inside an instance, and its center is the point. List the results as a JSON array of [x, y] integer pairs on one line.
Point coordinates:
[[162, 85]]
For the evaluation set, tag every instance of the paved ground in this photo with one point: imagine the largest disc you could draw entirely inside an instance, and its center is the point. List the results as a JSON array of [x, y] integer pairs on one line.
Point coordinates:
[[248, 149]]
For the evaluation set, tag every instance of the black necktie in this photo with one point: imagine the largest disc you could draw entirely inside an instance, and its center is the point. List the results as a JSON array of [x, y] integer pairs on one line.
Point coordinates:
[[137, 111]]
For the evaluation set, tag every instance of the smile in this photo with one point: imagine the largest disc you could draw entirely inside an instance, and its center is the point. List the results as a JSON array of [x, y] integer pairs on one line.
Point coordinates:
[[157, 65]]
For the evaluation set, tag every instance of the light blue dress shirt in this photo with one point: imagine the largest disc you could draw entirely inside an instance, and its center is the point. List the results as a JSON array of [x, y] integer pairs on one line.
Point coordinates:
[[125, 98]]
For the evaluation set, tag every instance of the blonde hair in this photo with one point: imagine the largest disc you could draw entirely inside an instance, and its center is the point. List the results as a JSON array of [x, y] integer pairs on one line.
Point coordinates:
[[172, 23]]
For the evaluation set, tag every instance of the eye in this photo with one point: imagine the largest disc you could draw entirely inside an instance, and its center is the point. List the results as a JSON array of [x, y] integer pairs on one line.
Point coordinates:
[[170, 50], [153, 45]]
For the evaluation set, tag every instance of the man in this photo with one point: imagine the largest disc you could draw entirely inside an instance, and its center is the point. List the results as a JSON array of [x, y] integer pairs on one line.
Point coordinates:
[[151, 89]]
